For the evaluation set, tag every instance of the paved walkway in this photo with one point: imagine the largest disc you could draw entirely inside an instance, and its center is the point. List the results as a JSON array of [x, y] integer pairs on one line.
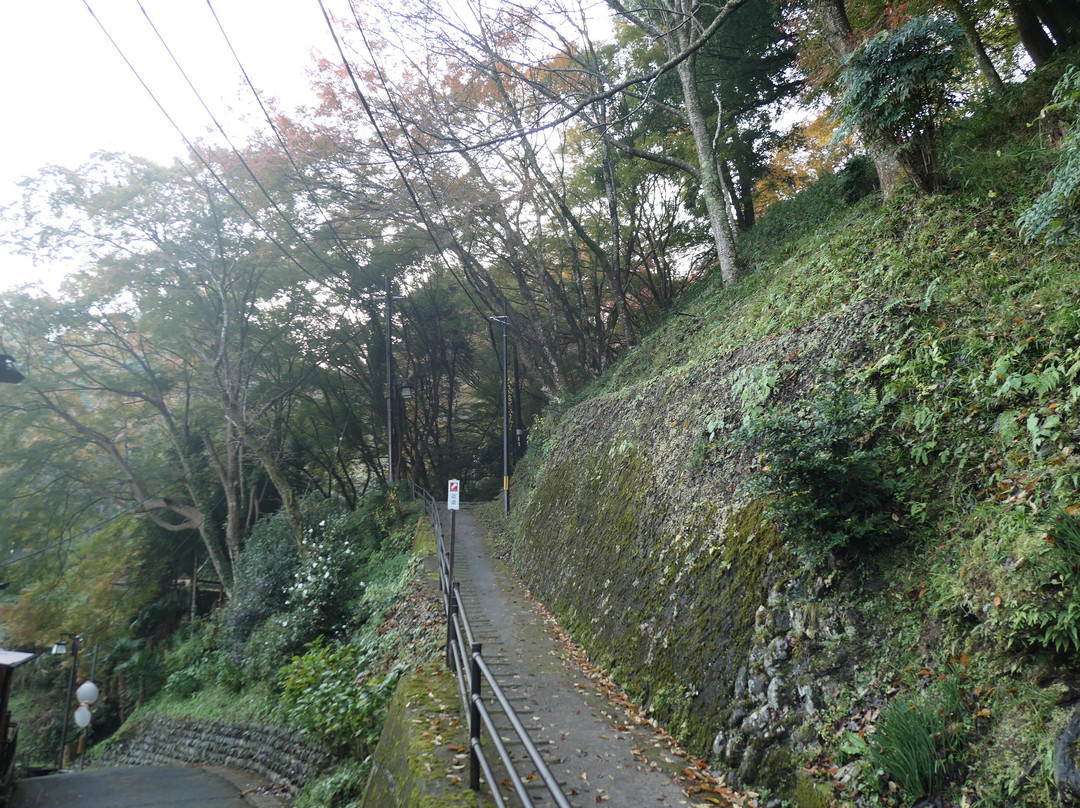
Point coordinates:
[[595, 750], [140, 787]]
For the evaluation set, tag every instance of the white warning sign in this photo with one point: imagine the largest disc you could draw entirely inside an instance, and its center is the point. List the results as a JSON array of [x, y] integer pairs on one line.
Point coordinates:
[[453, 496]]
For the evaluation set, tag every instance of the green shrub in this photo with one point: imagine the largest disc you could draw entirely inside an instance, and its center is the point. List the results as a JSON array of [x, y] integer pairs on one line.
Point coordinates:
[[857, 179], [213, 669], [827, 483], [341, 788], [264, 570], [1046, 612], [329, 695], [1054, 218], [329, 591], [183, 684], [323, 594], [312, 592], [219, 668]]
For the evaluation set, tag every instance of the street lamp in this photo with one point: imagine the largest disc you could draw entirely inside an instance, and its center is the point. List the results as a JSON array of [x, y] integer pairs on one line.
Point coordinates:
[[59, 649], [8, 373], [504, 321], [87, 694]]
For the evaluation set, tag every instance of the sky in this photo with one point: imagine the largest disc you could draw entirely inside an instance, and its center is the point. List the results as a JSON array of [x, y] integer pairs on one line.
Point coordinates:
[[65, 91]]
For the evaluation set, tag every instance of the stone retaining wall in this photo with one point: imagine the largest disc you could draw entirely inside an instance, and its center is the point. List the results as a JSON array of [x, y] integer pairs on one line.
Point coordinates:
[[279, 757]]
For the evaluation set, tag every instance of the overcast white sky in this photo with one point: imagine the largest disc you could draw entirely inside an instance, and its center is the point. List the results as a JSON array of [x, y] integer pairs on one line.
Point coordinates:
[[65, 92]]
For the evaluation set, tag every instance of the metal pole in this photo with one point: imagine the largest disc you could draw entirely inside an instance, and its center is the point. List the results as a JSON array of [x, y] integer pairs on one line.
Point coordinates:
[[506, 420], [451, 630], [86, 730], [70, 692], [194, 596], [389, 389], [504, 321], [474, 719], [453, 531]]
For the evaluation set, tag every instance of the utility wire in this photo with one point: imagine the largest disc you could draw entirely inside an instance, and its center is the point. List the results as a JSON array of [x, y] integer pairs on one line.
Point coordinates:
[[336, 317], [308, 187], [198, 155], [244, 208], [429, 225], [239, 156]]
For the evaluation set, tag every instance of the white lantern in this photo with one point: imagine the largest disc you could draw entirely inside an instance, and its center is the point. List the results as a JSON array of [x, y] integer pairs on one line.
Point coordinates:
[[82, 716], [87, 693]]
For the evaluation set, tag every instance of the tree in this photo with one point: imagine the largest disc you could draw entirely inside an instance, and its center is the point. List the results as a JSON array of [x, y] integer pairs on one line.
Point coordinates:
[[681, 28], [181, 328], [966, 21], [897, 85]]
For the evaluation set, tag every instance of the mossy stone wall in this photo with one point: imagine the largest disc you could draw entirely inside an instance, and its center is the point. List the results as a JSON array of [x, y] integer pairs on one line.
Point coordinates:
[[637, 538], [415, 764]]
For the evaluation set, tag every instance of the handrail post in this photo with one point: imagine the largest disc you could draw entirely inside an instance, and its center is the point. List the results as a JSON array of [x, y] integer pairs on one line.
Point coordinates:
[[451, 630], [453, 531], [474, 718]]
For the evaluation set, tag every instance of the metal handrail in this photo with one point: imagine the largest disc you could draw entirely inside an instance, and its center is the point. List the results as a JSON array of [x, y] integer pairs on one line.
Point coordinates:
[[464, 656]]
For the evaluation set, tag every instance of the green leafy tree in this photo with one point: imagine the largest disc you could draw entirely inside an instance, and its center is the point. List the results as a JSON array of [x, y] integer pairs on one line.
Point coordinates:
[[897, 86], [168, 361]]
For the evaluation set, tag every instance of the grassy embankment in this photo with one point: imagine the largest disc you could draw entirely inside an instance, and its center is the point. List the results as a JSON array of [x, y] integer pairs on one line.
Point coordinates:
[[973, 601]]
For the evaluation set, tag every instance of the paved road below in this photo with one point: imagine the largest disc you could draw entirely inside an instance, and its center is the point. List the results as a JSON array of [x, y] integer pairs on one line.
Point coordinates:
[[595, 750], [133, 787]]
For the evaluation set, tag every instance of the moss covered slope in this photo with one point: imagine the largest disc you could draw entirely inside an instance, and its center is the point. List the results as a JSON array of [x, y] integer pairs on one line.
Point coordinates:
[[632, 523]]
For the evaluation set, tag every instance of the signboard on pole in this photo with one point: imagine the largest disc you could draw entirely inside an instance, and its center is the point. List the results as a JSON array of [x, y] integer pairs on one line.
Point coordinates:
[[453, 497]]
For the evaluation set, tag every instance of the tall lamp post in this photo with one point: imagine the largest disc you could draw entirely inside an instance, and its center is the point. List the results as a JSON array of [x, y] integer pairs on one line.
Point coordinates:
[[59, 649], [390, 298], [503, 320]]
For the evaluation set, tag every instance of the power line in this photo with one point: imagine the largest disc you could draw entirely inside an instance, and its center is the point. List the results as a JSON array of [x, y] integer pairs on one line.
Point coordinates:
[[309, 189], [336, 316], [198, 155], [239, 156], [424, 216]]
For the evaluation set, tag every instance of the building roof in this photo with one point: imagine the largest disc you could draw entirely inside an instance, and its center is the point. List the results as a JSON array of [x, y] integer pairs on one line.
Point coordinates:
[[13, 659]]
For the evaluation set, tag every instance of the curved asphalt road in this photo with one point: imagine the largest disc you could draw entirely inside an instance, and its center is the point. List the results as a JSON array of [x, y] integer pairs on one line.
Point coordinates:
[[131, 787]]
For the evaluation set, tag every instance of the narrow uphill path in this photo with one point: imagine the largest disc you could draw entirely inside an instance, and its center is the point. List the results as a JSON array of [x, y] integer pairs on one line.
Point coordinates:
[[595, 750]]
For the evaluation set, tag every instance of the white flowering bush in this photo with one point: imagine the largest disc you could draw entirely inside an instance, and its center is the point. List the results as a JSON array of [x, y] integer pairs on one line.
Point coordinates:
[[324, 591], [323, 596]]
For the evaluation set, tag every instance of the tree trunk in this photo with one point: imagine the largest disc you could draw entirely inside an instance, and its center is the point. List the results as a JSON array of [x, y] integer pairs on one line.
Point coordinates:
[[229, 477], [1034, 39], [712, 188], [1062, 18], [971, 33], [839, 36], [288, 496], [617, 271]]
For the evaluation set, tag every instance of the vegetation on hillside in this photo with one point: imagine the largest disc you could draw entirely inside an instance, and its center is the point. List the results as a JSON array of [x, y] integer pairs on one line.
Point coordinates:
[[932, 484], [302, 646], [201, 454]]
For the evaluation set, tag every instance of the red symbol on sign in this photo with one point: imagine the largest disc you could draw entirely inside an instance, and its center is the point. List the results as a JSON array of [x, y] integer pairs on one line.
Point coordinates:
[[453, 485]]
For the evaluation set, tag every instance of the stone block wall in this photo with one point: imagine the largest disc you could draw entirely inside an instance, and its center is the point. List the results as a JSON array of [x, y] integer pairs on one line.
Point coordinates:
[[279, 757]]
